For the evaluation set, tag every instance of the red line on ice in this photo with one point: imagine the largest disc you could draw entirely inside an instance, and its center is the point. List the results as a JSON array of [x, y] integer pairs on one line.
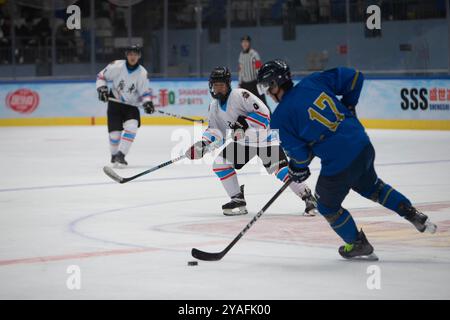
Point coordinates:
[[75, 256], [85, 255]]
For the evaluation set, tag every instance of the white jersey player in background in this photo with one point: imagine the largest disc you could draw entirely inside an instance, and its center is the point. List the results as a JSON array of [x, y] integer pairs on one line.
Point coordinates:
[[248, 118], [131, 86]]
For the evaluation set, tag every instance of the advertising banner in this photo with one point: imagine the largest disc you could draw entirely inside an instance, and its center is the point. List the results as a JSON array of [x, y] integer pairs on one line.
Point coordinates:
[[79, 99], [383, 99], [405, 99]]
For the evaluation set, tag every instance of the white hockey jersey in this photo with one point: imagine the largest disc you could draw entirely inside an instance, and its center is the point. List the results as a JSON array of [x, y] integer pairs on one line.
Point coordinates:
[[240, 102], [128, 86]]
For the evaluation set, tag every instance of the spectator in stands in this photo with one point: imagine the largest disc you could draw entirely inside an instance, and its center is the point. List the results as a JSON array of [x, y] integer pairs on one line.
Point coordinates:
[[120, 26], [43, 30], [104, 32], [5, 42], [324, 10], [65, 44], [249, 64], [103, 25], [28, 41]]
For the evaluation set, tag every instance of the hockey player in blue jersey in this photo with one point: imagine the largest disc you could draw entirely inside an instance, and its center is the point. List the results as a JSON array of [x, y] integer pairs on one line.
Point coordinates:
[[313, 122]]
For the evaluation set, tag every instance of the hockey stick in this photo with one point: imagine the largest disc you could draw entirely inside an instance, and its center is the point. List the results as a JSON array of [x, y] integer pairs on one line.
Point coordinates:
[[160, 111], [113, 175], [209, 256]]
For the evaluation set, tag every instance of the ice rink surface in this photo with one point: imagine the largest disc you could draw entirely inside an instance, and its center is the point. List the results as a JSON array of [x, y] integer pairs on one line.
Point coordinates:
[[133, 241]]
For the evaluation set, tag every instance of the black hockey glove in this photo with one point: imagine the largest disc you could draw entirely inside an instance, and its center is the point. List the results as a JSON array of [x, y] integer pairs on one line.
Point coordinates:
[[298, 174], [103, 93], [149, 107], [197, 150], [239, 128]]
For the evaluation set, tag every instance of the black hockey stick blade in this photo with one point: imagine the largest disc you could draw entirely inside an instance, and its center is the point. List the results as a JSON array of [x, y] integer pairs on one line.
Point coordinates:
[[215, 256], [206, 256], [112, 174]]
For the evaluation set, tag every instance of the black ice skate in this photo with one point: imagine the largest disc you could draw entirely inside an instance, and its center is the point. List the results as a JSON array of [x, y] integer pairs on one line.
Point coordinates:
[[418, 219], [236, 206], [113, 158], [310, 203], [120, 160], [361, 249]]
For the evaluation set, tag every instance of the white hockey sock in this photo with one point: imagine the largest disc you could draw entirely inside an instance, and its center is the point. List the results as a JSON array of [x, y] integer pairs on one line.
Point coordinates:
[[227, 175], [298, 188], [129, 133], [114, 140]]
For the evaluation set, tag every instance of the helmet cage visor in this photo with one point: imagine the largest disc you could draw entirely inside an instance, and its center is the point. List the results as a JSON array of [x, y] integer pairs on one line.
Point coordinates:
[[218, 95], [264, 87]]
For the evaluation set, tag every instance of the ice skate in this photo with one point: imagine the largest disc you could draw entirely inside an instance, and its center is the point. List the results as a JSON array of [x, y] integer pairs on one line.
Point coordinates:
[[361, 249], [120, 161], [418, 219], [113, 158], [237, 205], [310, 204]]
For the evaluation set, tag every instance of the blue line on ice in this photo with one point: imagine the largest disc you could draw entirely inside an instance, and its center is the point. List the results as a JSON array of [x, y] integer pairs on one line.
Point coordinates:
[[76, 185]]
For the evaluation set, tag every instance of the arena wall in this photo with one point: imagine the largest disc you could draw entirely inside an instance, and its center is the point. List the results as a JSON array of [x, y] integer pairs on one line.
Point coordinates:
[[406, 103]]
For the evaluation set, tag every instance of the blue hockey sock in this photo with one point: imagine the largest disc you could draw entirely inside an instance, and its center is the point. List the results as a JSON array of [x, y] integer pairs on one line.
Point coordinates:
[[341, 221], [387, 196]]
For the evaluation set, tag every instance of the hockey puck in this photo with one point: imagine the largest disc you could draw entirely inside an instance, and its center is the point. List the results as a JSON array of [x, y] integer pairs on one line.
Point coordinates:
[[192, 263]]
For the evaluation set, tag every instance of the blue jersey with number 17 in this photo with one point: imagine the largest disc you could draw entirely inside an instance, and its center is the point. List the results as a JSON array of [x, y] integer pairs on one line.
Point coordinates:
[[313, 122]]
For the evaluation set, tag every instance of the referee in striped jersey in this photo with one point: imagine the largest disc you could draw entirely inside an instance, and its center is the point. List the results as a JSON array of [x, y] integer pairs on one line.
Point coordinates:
[[249, 63]]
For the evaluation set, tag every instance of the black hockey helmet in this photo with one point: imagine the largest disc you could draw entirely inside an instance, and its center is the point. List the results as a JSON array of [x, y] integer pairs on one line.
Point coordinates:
[[274, 73], [246, 37], [220, 74], [133, 48]]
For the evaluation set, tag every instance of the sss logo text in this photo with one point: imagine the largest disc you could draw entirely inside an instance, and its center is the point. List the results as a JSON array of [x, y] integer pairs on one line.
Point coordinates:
[[414, 98]]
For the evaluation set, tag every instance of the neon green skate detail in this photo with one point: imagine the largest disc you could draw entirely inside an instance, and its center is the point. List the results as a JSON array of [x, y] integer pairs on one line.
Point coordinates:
[[348, 247]]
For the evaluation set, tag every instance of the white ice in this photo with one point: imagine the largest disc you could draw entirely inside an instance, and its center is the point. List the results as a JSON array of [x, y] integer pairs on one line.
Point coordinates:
[[133, 241]]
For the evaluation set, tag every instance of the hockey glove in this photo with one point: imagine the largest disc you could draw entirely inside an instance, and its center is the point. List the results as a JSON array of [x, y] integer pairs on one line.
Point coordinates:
[[149, 107], [103, 93], [298, 174], [197, 150], [239, 128]]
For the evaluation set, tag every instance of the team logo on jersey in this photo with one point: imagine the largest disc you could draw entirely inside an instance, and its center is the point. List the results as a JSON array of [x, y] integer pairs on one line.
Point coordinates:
[[131, 88], [245, 94], [121, 85], [23, 101]]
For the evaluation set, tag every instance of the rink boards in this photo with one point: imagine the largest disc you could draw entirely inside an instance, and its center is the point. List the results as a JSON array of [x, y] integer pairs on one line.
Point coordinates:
[[419, 103]]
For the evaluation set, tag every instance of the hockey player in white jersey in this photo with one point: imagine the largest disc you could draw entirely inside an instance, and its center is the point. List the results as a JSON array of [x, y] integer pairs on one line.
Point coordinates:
[[248, 119], [129, 85]]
